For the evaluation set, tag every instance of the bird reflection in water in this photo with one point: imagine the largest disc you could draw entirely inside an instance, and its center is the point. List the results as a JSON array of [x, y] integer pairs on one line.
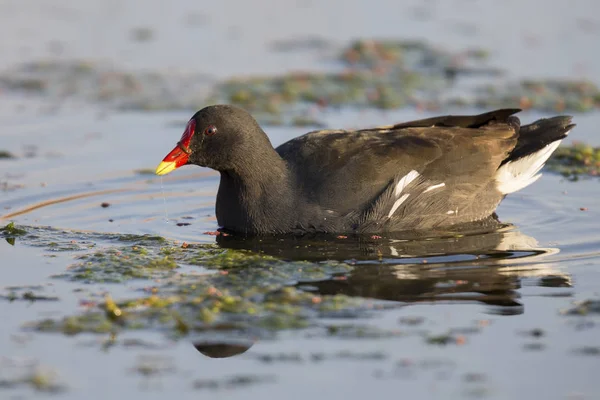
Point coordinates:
[[485, 262]]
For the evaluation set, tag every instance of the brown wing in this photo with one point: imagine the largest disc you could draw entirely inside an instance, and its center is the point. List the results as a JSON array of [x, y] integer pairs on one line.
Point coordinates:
[[342, 171], [458, 185], [346, 171]]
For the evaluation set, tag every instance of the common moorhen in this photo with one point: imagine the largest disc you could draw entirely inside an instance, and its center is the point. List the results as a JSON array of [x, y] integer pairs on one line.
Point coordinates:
[[414, 176]]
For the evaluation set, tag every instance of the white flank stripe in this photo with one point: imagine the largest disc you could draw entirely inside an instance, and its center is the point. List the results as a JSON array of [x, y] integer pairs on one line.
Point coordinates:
[[516, 175], [405, 181], [398, 203], [430, 188]]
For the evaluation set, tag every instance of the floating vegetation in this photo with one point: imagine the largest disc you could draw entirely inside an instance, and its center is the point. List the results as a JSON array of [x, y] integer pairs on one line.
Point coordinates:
[[382, 74], [379, 74], [102, 83], [15, 374], [554, 95], [188, 289], [446, 339], [57, 240], [577, 160], [10, 232], [233, 287], [116, 265], [26, 293], [391, 74]]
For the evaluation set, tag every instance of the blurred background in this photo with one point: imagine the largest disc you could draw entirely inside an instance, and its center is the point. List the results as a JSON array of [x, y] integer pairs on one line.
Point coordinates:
[[152, 55]]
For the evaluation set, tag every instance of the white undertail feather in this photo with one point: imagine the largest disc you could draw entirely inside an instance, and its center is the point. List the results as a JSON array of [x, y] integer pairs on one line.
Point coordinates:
[[516, 175], [405, 181], [402, 184]]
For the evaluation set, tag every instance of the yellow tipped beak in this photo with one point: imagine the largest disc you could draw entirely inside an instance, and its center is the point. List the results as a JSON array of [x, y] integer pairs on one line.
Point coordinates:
[[175, 159], [165, 167]]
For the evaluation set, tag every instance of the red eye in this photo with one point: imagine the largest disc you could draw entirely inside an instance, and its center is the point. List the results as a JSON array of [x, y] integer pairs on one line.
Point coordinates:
[[211, 130]]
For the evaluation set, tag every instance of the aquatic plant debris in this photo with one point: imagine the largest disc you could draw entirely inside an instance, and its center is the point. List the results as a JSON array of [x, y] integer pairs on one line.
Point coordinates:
[[367, 73], [114, 265], [551, 95], [10, 232], [26, 293], [17, 374], [446, 339], [191, 289], [575, 161], [194, 288]]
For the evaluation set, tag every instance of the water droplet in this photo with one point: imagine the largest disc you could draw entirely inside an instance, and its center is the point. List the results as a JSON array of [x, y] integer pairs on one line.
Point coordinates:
[[162, 189]]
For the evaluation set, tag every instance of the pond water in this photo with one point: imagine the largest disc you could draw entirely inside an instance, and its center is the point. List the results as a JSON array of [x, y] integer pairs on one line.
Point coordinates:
[[491, 314]]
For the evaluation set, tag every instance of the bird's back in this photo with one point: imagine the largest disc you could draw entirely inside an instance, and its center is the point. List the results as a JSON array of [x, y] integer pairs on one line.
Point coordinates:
[[415, 175]]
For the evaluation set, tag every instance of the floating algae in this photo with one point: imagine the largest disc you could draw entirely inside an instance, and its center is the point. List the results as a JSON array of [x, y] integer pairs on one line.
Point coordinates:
[[368, 73], [577, 160], [10, 232], [551, 95], [233, 288]]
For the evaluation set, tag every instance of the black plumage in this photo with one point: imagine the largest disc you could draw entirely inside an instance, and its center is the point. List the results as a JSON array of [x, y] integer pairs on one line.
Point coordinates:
[[419, 175]]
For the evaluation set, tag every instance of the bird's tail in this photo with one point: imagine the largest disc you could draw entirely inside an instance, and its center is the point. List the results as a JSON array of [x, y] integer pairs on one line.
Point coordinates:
[[536, 143]]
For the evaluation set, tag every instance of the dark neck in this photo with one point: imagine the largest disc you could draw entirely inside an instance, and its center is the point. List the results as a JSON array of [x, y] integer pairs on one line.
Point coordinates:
[[257, 195]]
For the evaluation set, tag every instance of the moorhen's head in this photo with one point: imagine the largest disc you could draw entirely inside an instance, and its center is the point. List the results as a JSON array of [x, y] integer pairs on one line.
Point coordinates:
[[220, 137]]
